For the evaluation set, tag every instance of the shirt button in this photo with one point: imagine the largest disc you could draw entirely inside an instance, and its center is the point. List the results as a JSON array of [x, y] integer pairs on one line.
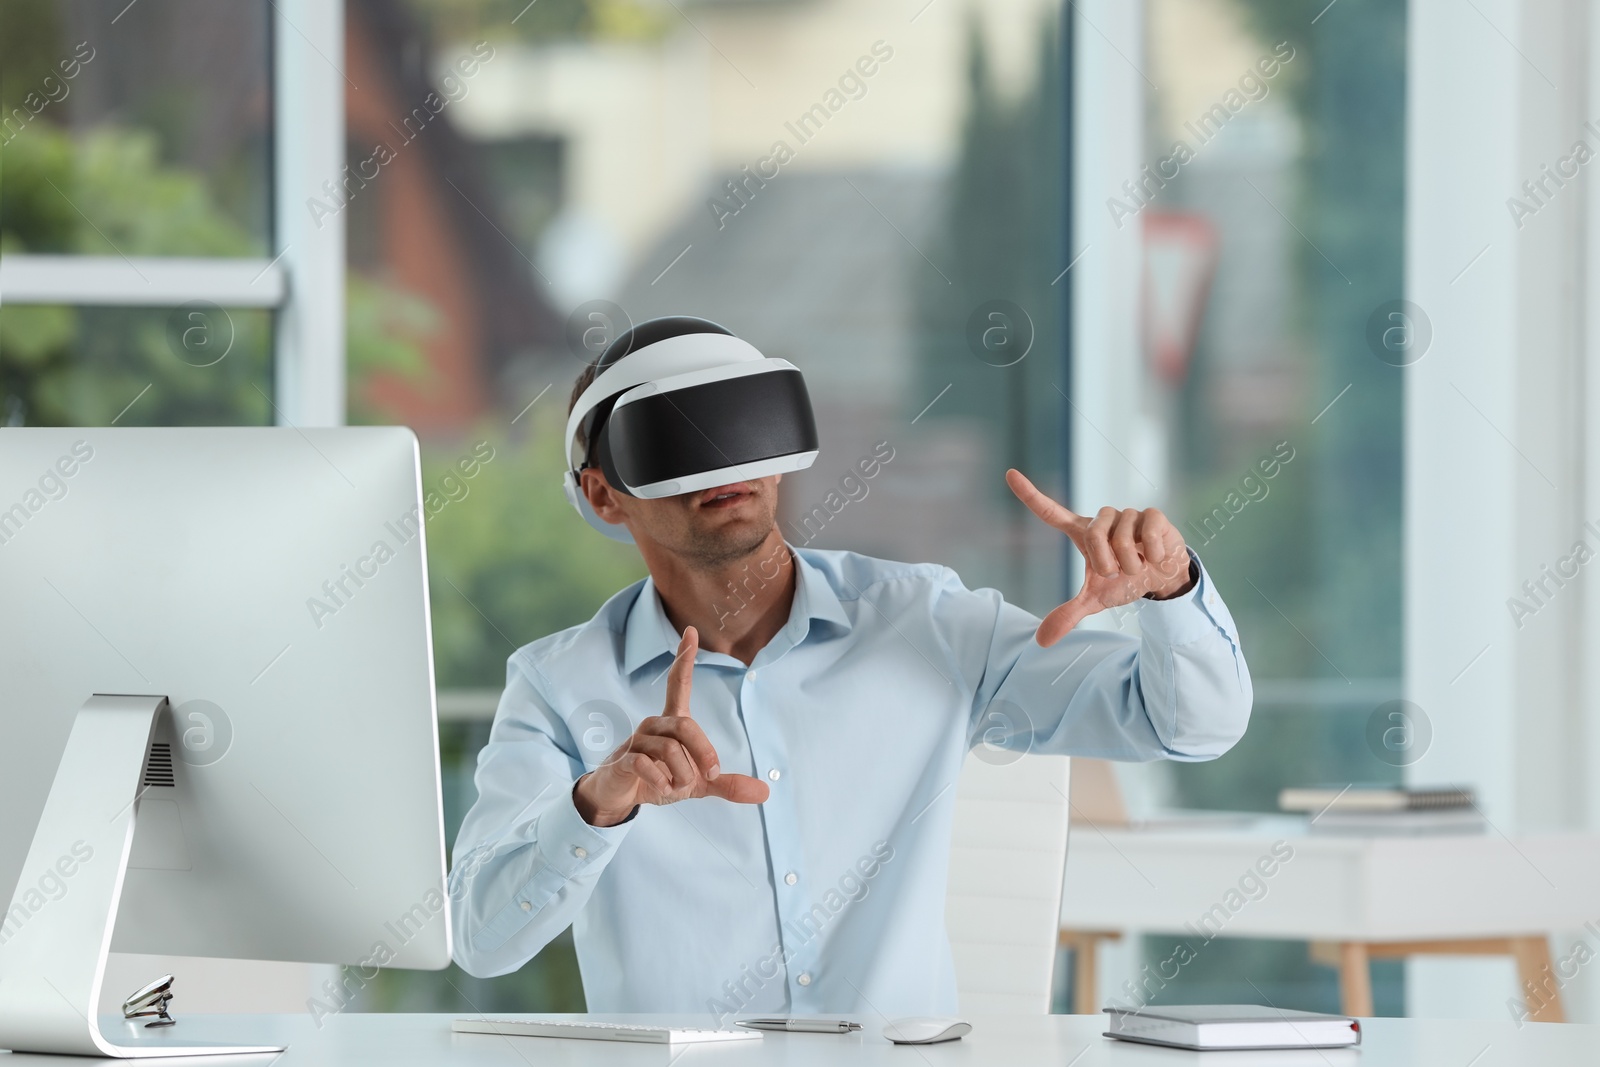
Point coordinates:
[[791, 878], [580, 852], [526, 905], [774, 774], [751, 675], [804, 979]]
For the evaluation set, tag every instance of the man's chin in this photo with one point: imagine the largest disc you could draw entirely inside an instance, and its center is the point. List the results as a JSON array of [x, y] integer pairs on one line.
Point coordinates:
[[732, 538]]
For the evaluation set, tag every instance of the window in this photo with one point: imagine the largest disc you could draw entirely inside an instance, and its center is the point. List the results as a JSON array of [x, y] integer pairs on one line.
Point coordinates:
[[149, 268], [872, 192], [1272, 213], [135, 214]]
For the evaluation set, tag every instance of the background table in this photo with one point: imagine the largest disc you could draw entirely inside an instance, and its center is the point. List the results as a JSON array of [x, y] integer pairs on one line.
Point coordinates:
[[1354, 898], [1017, 1041]]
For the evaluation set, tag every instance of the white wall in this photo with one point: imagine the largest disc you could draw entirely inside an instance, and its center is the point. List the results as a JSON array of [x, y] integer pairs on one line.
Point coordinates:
[[1496, 448]]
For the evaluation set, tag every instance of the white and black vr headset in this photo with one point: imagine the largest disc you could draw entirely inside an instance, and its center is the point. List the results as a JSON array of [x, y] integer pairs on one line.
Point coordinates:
[[692, 407]]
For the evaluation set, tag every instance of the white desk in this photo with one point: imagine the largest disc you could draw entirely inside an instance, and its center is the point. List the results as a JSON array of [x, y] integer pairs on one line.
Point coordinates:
[[1379, 895], [1020, 1041]]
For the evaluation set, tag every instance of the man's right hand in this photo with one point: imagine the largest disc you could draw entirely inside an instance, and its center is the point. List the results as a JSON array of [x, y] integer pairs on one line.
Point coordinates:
[[667, 759]]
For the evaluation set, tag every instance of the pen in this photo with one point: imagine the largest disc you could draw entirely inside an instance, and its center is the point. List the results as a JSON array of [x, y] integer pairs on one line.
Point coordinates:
[[803, 1026]]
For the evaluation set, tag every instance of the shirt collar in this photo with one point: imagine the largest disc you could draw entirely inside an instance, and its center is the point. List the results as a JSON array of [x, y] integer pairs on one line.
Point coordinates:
[[648, 634]]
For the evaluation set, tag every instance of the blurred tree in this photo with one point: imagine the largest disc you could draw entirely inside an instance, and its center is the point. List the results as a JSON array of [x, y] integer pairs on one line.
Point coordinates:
[[1001, 236], [511, 561], [81, 366], [1326, 550], [64, 366], [1347, 84], [545, 20]]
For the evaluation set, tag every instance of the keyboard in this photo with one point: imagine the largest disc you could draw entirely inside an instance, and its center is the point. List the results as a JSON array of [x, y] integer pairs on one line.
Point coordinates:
[[599, 1031]]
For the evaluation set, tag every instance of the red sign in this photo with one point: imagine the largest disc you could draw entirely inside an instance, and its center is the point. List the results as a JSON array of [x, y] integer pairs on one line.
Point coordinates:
[[1180, 260]]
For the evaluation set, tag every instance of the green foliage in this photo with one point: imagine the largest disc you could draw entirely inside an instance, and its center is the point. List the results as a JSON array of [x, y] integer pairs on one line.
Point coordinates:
[[510, 561], [83, 366], [66, 366], [544, 20], [1349, 93], [1260, 545], [55, 181], [550, 982], [1000, 237], [384, 330]]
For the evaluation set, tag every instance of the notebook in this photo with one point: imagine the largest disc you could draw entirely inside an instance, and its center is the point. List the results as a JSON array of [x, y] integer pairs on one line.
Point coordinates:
[[1375, 798], [1232, 1026]]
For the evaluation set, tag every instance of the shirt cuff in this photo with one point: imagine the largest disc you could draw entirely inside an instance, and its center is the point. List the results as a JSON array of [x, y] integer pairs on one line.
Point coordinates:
[[568, 844], [565, 847], [1197, 614], [1191, 581]]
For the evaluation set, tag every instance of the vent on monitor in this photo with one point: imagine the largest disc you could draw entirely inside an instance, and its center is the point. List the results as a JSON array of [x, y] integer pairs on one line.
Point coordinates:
[[158, 766]]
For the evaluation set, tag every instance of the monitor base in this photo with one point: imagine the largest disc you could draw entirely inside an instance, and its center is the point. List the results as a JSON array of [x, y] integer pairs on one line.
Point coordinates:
[[54, 942]]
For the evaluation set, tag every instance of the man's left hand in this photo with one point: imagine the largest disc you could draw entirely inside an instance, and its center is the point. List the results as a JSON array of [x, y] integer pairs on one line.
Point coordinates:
[[1126, 555]]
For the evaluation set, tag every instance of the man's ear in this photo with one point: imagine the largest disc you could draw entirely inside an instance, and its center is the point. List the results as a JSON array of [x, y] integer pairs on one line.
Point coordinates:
[[602, 498]]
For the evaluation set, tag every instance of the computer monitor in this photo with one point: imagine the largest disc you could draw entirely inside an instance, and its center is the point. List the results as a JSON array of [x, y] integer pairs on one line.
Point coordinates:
[[217, 711]]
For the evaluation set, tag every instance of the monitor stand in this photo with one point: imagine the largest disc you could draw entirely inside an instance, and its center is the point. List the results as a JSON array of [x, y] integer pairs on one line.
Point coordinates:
[[53, 956]]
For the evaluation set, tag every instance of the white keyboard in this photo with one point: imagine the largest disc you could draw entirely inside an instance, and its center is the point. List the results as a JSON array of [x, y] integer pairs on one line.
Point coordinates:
[[599, 1031]]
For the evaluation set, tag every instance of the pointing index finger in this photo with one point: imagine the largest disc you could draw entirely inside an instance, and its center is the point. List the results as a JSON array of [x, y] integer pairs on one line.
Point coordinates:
[[1060, 516], [680, 676]]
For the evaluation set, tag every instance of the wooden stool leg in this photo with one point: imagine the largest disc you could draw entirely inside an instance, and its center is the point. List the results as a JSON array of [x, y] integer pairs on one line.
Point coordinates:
[[1534, 971], [1085, 995], [1355, 979]]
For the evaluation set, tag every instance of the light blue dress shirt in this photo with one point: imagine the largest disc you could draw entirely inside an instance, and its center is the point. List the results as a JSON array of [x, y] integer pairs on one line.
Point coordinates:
[[859, 713]]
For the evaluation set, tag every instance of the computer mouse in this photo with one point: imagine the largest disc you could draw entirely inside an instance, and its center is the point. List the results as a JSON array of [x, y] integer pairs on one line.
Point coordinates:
[[925, 1030]]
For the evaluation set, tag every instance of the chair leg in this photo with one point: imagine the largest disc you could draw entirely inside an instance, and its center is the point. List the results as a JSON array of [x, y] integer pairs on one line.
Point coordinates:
[[1539, 987], [1085, 977], [1355, 979]]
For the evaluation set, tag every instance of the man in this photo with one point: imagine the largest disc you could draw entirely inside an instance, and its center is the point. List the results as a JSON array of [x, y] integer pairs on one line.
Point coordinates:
[[810, 710]]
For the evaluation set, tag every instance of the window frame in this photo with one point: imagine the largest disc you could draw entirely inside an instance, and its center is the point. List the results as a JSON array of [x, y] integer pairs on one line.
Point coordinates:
[[303, 283]]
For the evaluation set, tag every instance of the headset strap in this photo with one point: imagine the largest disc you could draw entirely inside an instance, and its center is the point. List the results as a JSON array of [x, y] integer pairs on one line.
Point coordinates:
[[669, 356]]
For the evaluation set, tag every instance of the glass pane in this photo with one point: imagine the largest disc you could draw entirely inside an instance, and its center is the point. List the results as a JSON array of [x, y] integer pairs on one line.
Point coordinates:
[[880, 205], [195, 365], [1273, 204], [1287, 438], [135, 129]]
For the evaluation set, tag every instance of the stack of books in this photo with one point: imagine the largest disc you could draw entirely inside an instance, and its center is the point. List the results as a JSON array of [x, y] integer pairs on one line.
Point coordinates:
[[1386, 809]]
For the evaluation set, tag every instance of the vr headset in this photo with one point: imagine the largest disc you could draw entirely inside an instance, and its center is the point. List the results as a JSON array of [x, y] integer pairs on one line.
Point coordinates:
[[692, 407]]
